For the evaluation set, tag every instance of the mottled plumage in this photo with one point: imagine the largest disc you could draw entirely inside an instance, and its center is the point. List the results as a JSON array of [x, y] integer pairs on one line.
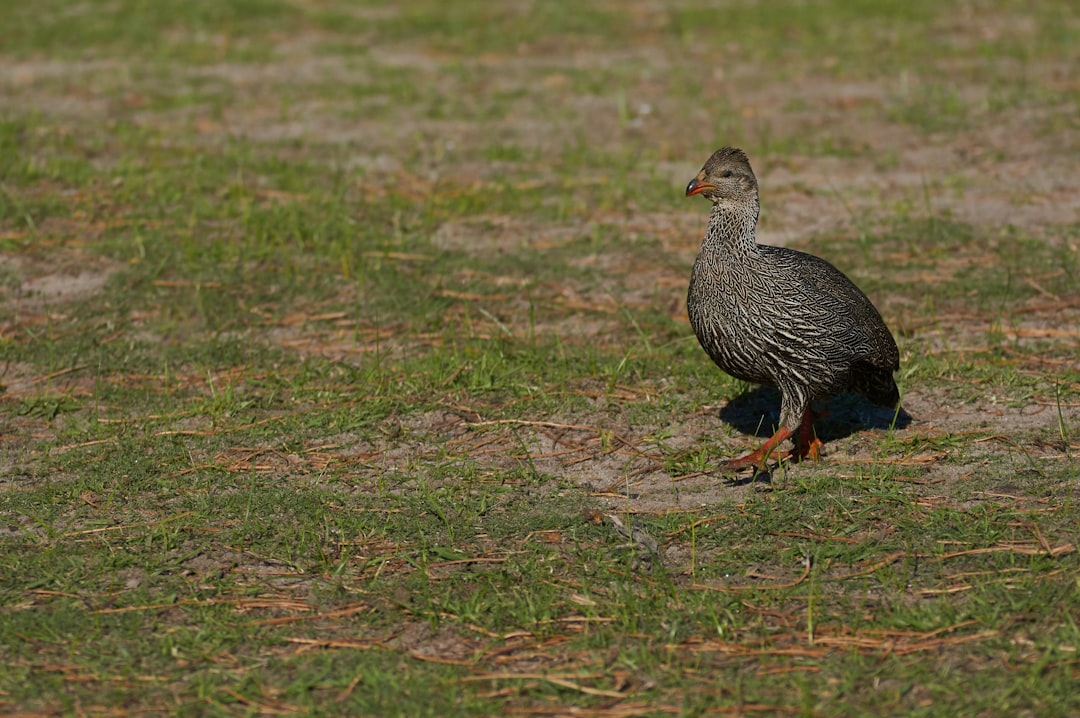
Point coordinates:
[[776, 316]]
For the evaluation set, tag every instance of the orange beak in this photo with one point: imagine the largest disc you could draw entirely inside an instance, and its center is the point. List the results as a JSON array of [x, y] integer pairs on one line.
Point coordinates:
[[696, 186]]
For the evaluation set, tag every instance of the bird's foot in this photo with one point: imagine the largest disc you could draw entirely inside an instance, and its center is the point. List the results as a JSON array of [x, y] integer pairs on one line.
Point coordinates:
[[809, 447], [752, 460], [808, 450], [759, 459]]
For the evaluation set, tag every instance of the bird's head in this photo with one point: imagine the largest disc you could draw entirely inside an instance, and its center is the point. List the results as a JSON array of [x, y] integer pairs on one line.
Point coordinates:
[[726, 177]]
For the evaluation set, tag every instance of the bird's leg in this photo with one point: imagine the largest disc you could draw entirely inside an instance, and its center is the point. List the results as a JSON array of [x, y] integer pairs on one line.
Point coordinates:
[[758, 458], [807, 445], [792, 404]]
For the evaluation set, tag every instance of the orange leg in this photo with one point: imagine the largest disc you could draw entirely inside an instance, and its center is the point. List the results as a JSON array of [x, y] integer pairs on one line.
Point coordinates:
[[807, 445], [758, 458]]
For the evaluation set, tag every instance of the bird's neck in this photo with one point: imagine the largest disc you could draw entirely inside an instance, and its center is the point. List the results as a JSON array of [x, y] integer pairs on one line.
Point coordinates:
[[731, 228]]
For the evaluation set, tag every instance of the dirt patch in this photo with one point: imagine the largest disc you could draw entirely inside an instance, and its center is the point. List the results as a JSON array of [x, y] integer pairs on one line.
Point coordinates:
[[623, 466], [423, 641], [59, 288], [501, 233], [37, 294], [30, 284]]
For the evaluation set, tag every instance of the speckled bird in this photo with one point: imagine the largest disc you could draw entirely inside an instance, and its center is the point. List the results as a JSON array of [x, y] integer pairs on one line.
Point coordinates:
[[780, 317]]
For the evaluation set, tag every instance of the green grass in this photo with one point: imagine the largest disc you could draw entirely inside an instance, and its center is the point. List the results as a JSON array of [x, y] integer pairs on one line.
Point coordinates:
[[331, 334]]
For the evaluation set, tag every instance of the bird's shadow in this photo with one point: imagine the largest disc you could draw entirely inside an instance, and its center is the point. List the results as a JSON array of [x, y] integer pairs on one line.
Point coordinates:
[[757, 412]]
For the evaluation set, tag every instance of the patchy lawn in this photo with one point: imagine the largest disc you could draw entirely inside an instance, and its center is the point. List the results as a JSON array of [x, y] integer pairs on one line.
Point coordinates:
[[345, 368]]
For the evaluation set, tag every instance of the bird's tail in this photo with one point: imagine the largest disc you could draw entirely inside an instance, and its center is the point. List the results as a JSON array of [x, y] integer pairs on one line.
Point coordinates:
[[877, 385]]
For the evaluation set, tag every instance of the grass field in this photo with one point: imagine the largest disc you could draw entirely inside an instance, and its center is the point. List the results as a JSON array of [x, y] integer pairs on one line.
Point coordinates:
[[345, 367]]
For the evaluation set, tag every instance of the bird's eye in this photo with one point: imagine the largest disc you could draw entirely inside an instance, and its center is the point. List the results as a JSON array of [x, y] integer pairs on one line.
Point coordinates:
[[727, 173]]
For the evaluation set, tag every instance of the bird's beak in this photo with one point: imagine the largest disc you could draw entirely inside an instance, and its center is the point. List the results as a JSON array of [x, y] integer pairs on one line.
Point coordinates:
[[697, 186]]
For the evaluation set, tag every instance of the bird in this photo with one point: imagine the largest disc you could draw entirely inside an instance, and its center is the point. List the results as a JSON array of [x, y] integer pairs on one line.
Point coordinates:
[[779, 317]]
